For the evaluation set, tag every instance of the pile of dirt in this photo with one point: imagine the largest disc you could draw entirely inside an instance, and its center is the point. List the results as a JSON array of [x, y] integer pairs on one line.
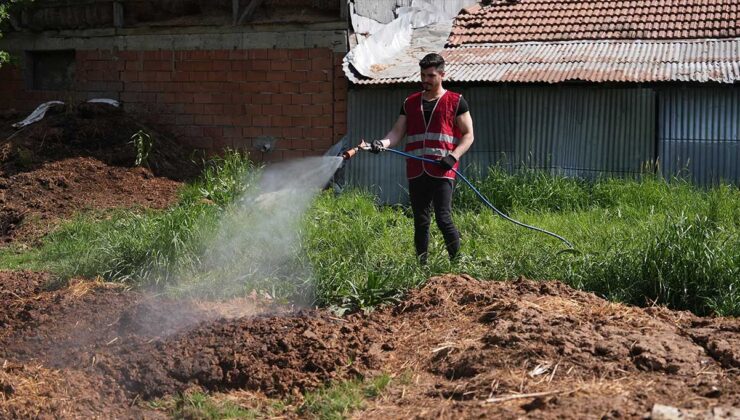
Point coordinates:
[[82, 158], [456, 348]]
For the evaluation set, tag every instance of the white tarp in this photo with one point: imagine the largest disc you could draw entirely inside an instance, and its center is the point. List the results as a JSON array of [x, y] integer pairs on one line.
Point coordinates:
[[40, 111], [394, 50]]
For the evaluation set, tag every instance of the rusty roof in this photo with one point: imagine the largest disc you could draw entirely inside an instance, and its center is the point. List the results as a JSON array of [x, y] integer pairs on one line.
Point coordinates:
[[557, 20], [708, 60]]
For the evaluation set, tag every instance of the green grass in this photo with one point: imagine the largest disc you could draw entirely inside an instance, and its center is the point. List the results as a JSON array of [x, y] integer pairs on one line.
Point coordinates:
[[334, 401], [640, 241], [340, 399]]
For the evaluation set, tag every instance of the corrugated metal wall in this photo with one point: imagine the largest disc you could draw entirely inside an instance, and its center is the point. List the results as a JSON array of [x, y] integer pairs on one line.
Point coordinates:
[[578, 131], [699, 134]]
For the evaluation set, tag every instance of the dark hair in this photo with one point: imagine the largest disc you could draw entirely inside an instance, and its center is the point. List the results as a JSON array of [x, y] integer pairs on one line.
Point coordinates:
[[432, 60]]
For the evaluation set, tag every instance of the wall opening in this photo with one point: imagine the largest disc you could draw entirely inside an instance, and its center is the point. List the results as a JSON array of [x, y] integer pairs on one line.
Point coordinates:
[[50, 70]]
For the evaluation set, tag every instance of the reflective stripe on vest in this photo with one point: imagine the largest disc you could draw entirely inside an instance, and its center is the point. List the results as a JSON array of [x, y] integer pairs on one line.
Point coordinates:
[[430, 151], [432, 136]]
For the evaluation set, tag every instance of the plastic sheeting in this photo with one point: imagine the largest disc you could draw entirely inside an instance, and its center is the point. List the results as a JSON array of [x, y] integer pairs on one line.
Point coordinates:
[[40, 111], [395, 49]]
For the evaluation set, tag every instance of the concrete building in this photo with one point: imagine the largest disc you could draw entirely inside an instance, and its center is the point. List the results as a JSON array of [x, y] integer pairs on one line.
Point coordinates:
[[264, 75]]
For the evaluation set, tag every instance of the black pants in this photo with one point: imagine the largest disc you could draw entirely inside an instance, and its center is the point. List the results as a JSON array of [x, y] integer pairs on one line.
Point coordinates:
[[426, 192]]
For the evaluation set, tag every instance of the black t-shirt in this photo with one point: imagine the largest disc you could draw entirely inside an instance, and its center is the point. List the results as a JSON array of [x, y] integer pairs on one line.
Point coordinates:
[[428, 107]]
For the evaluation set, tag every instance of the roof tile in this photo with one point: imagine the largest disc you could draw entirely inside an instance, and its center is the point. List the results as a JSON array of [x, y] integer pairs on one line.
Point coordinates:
[[551, 20]]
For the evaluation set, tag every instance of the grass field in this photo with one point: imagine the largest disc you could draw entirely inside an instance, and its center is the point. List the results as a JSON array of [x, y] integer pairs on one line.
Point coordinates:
[[642, 241]]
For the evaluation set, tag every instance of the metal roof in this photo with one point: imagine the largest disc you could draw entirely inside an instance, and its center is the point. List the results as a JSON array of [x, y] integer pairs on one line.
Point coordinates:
[[556, 20], [699, 60]]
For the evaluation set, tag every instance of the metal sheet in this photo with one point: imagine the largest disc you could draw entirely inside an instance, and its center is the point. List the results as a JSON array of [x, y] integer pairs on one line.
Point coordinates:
[[698, 60], [575, 131], [699, 134]]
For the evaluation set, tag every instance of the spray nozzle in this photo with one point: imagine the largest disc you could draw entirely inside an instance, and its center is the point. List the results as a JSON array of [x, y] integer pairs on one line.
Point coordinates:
[[349, 154]]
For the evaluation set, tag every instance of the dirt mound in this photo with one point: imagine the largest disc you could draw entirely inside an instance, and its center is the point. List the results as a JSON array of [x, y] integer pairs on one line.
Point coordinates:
[[476, 347], [457, 348], [276, 355], [82, 158], [32, 391]]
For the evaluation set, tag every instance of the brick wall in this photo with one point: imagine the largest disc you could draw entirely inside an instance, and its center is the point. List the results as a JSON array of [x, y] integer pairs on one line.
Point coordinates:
[[214, 99]]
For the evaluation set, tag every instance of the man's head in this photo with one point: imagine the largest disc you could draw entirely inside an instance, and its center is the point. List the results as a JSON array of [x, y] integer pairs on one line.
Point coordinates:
[[432, 71]]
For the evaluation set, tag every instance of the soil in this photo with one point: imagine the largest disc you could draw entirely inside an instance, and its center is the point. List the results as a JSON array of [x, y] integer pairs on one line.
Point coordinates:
[[456, 348], [81, 158]]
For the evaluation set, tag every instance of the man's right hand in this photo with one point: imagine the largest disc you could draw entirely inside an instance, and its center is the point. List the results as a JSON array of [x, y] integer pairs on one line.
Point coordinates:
[[377, 146]]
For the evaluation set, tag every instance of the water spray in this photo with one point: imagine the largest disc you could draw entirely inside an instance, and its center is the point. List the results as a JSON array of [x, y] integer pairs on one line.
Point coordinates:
[[349, 154]]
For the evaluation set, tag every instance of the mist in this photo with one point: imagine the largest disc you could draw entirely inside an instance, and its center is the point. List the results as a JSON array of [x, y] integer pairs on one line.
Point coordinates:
[[257, 245]]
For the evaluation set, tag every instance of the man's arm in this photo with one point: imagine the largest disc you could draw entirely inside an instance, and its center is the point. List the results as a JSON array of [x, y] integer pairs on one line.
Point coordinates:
[[465, 124], [397, 133]]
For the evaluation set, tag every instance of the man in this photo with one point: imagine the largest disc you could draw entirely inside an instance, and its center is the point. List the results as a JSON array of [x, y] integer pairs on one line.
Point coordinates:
[[438, 126]]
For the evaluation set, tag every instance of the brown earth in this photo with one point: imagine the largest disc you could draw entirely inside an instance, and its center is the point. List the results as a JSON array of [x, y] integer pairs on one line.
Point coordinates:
[[81, 158], [456, 348]]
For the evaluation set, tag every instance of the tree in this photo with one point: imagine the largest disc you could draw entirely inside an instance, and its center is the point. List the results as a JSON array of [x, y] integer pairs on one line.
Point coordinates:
[[7, 7]]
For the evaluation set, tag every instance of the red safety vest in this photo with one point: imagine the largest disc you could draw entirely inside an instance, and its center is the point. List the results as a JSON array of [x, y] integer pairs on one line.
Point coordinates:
[[434, 140]]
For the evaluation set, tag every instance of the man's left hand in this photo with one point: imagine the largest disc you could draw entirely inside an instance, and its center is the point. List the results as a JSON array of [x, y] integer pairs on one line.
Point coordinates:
[[448, 162]]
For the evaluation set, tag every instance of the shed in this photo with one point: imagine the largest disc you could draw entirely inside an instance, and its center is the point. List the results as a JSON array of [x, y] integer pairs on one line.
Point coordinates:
[[582, 88]]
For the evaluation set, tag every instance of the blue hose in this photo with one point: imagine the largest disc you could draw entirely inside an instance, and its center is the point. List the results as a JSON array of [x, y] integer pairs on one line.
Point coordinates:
[[483, 198]]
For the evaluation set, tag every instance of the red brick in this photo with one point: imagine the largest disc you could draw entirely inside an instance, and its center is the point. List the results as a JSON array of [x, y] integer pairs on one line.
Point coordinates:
[[241, 120], [300, 99], [319, 75], [273, 131], [272, 109], [129, 55], [199, 76], [129, 76], [293, 132], [256, 76], [194, 108], [318, 133], [276, 76], [221, 65], [175, 87], [184, 97], [230, 132], [258, 54], [292, 110], [251, 131], [185, 119], [261, 120], [238, 54], [301, 121], [193, 66], [221, 98], [203, 119], [217, 76], [322, 98], [166, 98], [315, 87], [289, 87], [299, 53], [213, 109], [300, 65], [263, 65], [134, 65], [198, 55], [282, 99], [164, 76], [213, 132], [277, 54], [181, 76], [233, 109], [263, 99], [236, 76], [157, 65], [223, 119], [240, 65], [253, 109], [221, 54], [280, 65], [322, 121], [281, 121], [313, 110], [202, 98], [129, 96]]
